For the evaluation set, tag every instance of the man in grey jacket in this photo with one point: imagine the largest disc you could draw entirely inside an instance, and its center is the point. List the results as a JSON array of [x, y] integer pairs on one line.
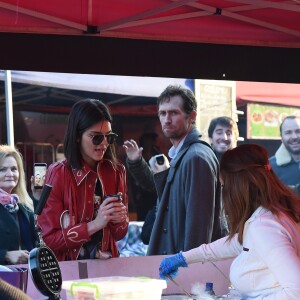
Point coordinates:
[[188, 212]]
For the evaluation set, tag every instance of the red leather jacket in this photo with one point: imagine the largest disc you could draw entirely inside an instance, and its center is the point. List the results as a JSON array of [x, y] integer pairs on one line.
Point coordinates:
[[73, 195]]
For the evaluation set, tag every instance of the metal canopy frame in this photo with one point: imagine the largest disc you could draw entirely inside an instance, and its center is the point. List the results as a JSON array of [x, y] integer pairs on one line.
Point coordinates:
[[174, 20]]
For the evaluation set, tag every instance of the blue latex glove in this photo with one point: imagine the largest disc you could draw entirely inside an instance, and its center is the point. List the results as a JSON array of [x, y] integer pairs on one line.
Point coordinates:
[[170, 265]]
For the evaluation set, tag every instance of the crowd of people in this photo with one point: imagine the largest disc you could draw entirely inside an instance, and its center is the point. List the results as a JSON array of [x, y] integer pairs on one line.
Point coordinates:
[[212, 201]]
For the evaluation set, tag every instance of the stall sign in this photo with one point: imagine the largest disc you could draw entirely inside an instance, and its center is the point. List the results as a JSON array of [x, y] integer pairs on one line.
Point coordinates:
[[215, 98], [263, 121]]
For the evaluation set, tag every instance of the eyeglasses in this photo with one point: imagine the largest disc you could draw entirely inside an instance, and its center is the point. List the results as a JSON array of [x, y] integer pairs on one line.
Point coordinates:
[[97, 139]]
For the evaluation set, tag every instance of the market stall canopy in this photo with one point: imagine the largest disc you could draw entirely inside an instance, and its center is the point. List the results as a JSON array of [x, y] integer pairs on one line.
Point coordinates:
[[123, 85], [268, 93], [57, 92], [234, 22]]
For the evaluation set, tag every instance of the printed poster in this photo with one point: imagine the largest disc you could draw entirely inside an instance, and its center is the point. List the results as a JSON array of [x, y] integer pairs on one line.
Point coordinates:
[[263, 121]]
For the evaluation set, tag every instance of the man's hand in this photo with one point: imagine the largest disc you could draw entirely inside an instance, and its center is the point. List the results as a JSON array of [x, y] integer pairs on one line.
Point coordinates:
[[155, 167], [133, 151]]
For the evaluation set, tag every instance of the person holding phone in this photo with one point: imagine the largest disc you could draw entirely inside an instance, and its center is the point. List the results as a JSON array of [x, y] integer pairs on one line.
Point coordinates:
[[77, 222], [17, 235]]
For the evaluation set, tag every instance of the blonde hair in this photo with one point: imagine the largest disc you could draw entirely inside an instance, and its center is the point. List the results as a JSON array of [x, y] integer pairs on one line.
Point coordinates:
[[20, 188]]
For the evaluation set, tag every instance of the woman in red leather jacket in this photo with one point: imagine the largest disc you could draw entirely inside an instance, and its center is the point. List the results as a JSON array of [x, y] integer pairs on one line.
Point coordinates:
[[77, 221]]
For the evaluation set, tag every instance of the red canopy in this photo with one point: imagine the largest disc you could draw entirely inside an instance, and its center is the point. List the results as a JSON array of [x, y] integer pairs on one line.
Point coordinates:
[[266, 92], [249, 40], [234, 22]]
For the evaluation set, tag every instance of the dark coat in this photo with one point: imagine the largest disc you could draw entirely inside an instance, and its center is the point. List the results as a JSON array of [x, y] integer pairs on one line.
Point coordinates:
[[189, 198], [283, 165], [10, 232]]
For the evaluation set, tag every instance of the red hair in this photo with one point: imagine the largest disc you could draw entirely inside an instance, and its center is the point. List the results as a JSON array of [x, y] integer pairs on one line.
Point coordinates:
[[249, 182]]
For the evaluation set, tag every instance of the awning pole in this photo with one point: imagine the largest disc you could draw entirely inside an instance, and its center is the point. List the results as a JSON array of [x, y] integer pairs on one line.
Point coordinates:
[[9, 109]]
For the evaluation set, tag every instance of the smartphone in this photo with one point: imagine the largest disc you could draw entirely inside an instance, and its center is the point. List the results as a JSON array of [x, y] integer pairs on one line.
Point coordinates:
[[160, 159], [113, 195], [39, 173]]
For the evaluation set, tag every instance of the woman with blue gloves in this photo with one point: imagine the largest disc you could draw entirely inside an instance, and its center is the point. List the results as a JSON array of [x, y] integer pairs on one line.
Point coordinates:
[[264, 220]]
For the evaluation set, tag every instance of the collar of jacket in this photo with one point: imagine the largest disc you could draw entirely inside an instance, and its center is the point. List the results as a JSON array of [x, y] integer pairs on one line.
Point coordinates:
[[282, 156], [193, 137], [257, 213], [80, 174]]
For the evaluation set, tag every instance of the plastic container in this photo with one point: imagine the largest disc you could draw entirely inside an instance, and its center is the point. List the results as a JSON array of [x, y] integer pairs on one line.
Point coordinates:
[[114, 288]]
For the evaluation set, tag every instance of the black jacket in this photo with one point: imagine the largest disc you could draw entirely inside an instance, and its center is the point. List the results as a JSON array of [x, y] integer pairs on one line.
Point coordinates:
[[10, 232]]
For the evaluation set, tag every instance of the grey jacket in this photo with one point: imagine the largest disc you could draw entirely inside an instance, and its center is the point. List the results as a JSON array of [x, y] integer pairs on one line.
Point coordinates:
[[189, 198]]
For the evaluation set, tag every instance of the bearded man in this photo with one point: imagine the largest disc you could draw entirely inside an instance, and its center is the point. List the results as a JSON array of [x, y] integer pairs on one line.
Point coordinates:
[[286, 161], [223, 134]]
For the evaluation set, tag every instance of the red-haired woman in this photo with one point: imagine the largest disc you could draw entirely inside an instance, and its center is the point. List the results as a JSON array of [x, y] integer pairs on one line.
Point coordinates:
[[264, 220]]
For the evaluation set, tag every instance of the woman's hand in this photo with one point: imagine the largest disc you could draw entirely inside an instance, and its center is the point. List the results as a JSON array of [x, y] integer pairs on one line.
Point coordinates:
[[17, 257], [119, 212], [111, 210], [169, 265]]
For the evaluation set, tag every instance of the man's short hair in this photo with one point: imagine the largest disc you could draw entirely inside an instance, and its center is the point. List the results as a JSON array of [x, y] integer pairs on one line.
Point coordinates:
[[189, 100], [287, 118], [223, 121]]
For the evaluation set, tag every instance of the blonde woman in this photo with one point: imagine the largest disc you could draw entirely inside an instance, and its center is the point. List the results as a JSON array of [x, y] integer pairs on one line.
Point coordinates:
[[17, 236]]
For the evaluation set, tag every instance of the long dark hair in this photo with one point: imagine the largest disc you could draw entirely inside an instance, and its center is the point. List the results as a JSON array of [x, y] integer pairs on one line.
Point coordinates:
[[249, 183], [84, 114]]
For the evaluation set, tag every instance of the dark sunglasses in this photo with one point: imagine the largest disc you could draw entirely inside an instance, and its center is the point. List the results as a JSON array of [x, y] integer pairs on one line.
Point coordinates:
[[97, 139]]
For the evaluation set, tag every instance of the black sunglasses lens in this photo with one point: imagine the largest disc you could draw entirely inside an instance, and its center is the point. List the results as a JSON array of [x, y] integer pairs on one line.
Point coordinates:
[[111, 138], [97, 139]]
